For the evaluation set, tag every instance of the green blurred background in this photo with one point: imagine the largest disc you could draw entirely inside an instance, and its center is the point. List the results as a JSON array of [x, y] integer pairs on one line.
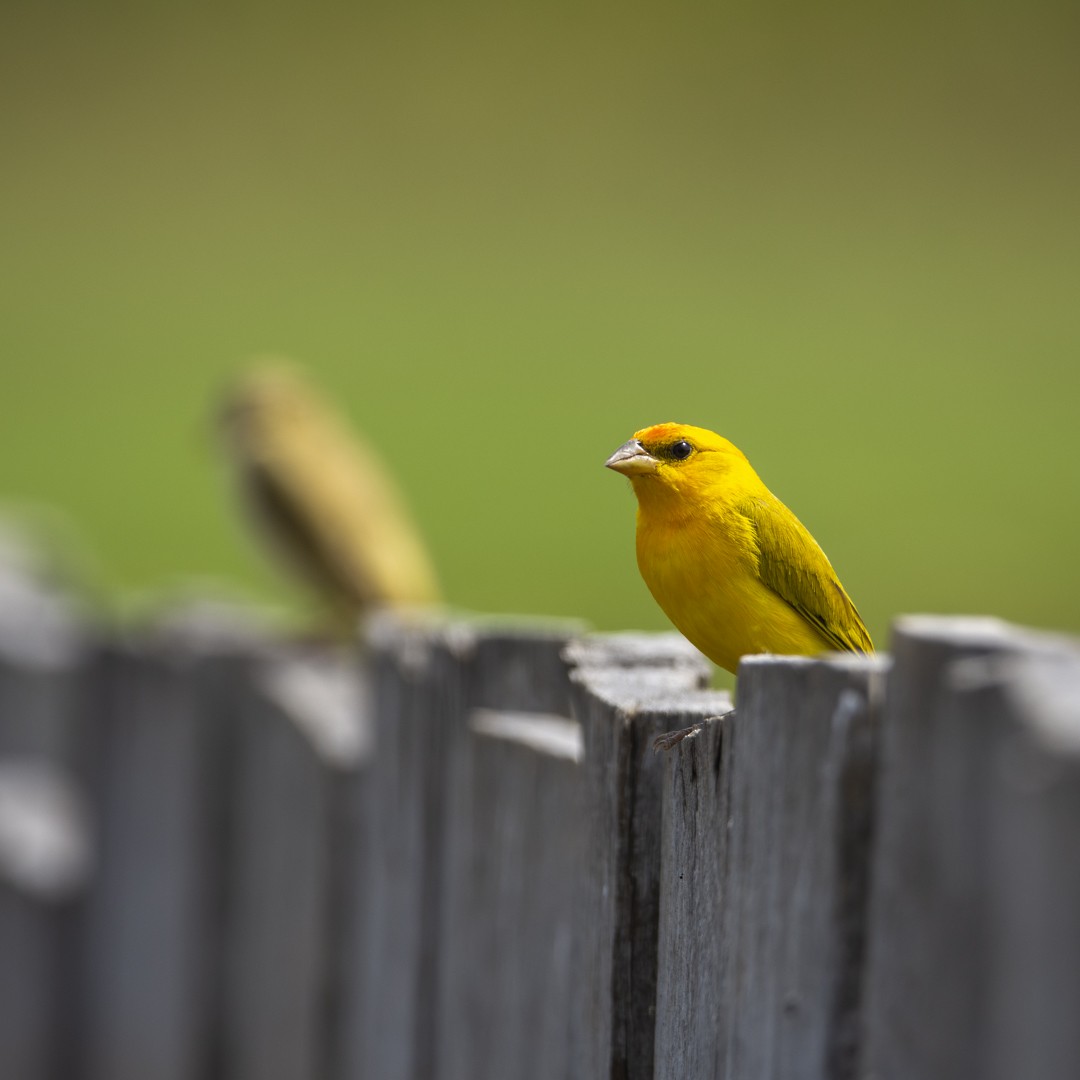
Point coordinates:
[[504, 237]]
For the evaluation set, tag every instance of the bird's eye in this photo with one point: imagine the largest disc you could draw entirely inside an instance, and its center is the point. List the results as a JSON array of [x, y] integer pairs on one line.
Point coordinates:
[[681, 450]]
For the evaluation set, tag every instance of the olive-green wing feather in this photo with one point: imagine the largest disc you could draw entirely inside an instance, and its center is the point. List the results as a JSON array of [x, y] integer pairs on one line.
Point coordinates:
[[293, 529], [792, 564]]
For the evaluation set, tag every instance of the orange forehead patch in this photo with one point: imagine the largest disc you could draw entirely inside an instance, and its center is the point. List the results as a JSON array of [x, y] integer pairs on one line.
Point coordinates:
[[659, 433]]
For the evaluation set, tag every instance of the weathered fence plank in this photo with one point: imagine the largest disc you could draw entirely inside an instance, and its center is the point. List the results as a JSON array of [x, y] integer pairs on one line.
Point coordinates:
[[420, 686], [165, 720], [44, 841], [802, 744], [931, 928], [690, 1024], [509, 969], [45, 858], [766, 846], [511, 841], [622, 712], [302, 741], [1032, 1025]]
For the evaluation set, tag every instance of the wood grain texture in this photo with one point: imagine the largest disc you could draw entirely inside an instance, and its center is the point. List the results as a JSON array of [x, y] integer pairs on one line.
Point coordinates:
[[419, 672], [690, 1023], [634, 649], [511, 842], [162, 732], [1031, 1023], [928, 972], [795, 891], [301, 742], [512, 851], [622, 711]]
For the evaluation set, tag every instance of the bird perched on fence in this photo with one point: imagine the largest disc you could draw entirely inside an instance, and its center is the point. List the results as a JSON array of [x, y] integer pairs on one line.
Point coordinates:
[[731, 566], [321, 498]]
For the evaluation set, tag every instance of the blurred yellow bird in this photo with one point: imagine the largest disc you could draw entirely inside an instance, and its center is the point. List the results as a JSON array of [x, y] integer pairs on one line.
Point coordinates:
[[321, 498], [731, 566]]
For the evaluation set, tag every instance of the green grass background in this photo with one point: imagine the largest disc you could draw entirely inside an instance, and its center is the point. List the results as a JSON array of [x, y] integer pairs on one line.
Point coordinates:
[[506, 236]]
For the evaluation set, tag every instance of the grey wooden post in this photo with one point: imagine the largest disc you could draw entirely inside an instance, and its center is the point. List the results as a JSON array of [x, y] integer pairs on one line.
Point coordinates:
[[796, 879], [1033, 1006], [45, 857], [44, 835], [622, 711], [420, 695], [303, 740], [690, 1021], [165, 715], [511, 840], [930, 932]]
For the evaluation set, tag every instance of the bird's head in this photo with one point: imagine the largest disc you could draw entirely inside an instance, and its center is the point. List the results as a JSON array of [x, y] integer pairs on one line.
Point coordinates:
[[265, 400], [676, 459]]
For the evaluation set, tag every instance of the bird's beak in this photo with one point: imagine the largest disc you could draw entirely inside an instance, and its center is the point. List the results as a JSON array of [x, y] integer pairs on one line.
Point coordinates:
[[632, 459]]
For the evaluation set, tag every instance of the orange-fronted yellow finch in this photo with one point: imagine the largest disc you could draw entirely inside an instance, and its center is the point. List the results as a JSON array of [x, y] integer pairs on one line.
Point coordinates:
[[732, 567]]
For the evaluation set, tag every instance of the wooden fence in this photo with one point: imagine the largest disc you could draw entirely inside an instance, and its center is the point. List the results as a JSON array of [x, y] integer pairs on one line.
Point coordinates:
[[477, 850]]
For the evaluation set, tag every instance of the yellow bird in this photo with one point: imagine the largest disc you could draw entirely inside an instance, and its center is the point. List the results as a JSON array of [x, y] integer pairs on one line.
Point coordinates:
[[321, 498], [732, 567]]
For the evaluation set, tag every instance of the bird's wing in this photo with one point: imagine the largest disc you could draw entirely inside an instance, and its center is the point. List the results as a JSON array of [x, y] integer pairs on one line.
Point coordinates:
[[291, 525], [792, 564], [335, 513]]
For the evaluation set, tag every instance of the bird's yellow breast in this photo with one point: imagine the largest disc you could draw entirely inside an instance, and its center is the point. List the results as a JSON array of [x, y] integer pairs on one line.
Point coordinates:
[[702, 570]]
